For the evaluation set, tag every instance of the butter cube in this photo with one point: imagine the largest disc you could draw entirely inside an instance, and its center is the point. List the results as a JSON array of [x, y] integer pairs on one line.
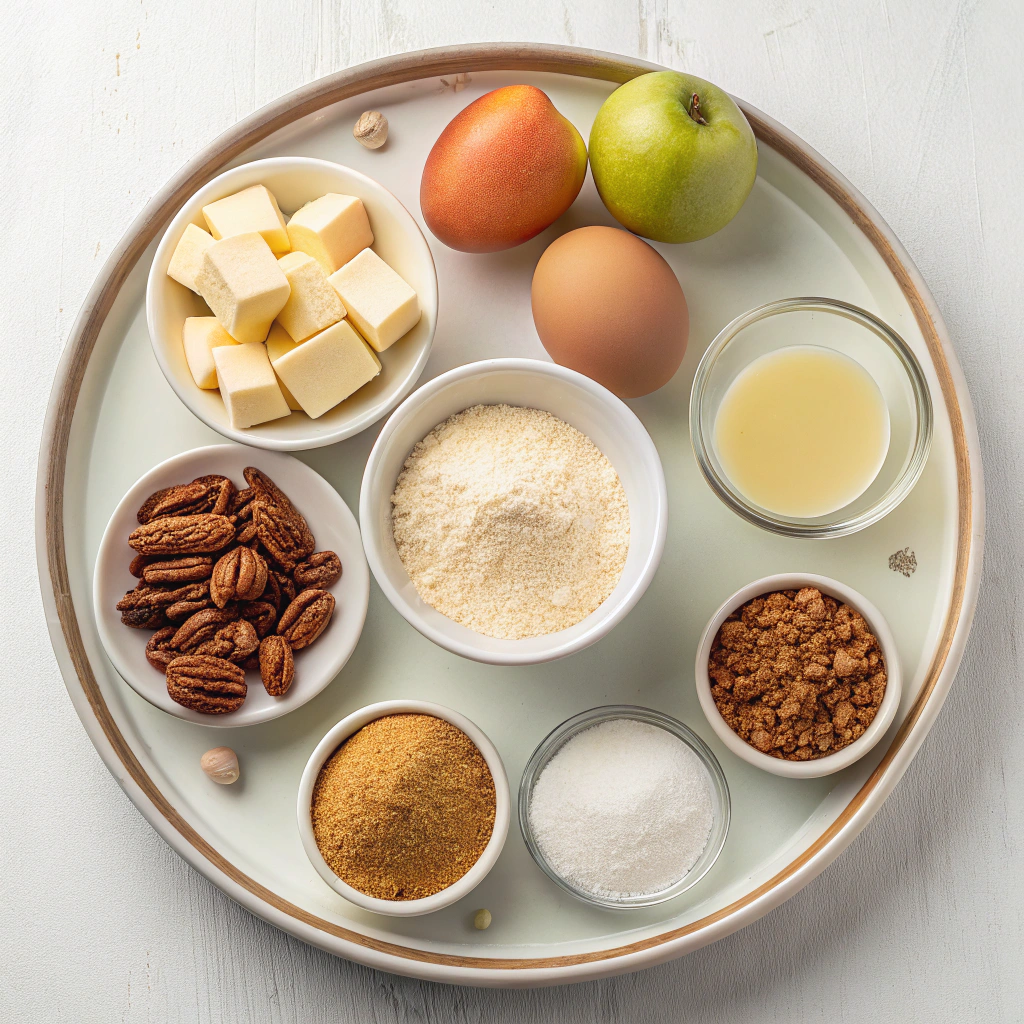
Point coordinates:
[[278, 343], [313, 303], [252, 209], [248, 385], [200, 336], [243, 285], [326, 369], [331, 229], [187, 257], [378, 301]]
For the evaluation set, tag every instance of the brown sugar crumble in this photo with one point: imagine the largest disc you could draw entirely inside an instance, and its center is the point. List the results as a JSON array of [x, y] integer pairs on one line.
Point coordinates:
[[404, 807], [797, 674]]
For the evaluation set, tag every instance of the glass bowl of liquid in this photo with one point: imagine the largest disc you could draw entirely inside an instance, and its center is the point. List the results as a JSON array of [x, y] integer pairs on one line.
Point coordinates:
[[810, 417]]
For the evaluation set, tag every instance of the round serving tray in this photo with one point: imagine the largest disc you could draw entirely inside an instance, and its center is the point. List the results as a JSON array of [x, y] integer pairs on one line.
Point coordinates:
[[804, 231]]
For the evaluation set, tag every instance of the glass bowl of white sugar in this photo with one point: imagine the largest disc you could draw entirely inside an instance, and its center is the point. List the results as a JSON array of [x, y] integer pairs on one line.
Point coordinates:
[[624, 807]]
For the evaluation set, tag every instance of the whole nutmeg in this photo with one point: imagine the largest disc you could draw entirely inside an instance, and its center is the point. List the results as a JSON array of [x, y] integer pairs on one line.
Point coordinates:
[[221, 764], [371, 129]]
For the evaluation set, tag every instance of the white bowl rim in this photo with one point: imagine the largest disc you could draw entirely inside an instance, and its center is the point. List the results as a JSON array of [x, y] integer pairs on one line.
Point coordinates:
[[830, 763], [602, 625], [502, 811], [109, 640], [156, 280]]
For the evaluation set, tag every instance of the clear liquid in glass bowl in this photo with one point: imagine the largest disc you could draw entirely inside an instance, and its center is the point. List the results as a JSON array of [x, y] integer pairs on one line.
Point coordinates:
[[844, 330], [802, 431]]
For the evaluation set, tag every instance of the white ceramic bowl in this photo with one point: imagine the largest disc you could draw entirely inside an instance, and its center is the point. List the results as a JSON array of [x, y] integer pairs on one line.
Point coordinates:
[[397, 240], [580, 402], [335, 529], [473, 877], [831, 762]]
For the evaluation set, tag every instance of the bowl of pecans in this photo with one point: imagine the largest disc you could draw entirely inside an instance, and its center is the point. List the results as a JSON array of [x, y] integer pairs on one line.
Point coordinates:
[[228, 593]]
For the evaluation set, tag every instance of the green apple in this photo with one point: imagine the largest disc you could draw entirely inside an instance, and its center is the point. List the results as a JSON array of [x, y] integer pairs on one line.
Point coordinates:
[[673, 157]]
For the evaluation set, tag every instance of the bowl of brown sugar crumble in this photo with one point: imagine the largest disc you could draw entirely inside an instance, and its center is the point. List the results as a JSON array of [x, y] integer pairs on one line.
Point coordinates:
[[403, 807], [798, 674]]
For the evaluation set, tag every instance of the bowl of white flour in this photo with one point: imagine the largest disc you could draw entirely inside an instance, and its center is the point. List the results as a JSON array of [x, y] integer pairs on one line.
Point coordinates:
[[513, 511]]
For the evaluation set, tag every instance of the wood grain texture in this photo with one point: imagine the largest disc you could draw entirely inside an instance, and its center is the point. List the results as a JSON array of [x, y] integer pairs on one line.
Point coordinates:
[[133, 933]]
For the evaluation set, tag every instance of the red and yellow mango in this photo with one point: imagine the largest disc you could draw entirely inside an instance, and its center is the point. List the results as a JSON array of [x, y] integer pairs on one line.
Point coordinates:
[[504, 169]]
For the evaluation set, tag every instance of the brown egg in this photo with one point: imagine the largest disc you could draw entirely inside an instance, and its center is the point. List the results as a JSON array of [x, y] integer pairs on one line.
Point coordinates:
[[608, 305]]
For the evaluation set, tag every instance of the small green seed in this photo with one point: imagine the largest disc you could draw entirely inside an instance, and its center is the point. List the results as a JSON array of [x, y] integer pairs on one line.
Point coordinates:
[[482, 919]]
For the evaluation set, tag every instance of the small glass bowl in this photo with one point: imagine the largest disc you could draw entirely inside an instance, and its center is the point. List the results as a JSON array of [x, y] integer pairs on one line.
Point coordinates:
[[554, 742], [843, 328]]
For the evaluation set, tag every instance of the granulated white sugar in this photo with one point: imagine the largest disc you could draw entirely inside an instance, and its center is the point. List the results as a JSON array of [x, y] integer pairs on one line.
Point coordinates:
[[623, 809], [510, 521]]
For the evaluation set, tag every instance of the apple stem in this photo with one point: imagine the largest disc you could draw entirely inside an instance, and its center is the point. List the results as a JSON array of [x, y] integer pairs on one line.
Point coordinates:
[[694, 110]]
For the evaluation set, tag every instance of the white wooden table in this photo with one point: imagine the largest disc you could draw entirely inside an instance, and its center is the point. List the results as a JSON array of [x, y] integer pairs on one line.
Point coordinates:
[[919, 102]]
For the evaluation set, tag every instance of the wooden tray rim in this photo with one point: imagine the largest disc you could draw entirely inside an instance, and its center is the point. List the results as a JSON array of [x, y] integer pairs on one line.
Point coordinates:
[[116, 752]]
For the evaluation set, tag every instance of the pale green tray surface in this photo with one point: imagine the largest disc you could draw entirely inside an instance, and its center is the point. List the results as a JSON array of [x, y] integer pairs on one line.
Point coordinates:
[[789, 239]]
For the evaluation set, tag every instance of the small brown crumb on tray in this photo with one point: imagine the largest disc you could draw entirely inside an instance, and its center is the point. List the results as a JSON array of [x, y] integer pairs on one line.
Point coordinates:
[[797, 674]]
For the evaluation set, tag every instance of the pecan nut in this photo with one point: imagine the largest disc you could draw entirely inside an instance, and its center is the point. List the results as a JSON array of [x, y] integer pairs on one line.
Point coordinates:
[[160, 652], [138, 565], [202, 626], [288, 590], [144, 618], [240, 502], [321, 570], [246, 533], [272, 592], [183, 535], [211, 686], [264, 489], [262, 614], [283, 533], [178, 499], [306, 618], [222, 491], [189, 599], [240, 575], [277, 667], [141, 605], [204, 494], [233, 642], [181, 610], [145, 595], [179, 570]]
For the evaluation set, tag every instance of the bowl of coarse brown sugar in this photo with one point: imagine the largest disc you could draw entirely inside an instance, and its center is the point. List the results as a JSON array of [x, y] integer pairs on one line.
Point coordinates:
[[403, 807], [798, 674], [513, 511]]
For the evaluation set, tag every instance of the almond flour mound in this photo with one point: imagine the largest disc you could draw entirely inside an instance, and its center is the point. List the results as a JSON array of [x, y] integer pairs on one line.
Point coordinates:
[[510, 522]]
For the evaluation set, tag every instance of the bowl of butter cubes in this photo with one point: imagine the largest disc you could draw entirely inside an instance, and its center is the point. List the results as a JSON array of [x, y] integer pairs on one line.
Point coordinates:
[[292, 303]]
